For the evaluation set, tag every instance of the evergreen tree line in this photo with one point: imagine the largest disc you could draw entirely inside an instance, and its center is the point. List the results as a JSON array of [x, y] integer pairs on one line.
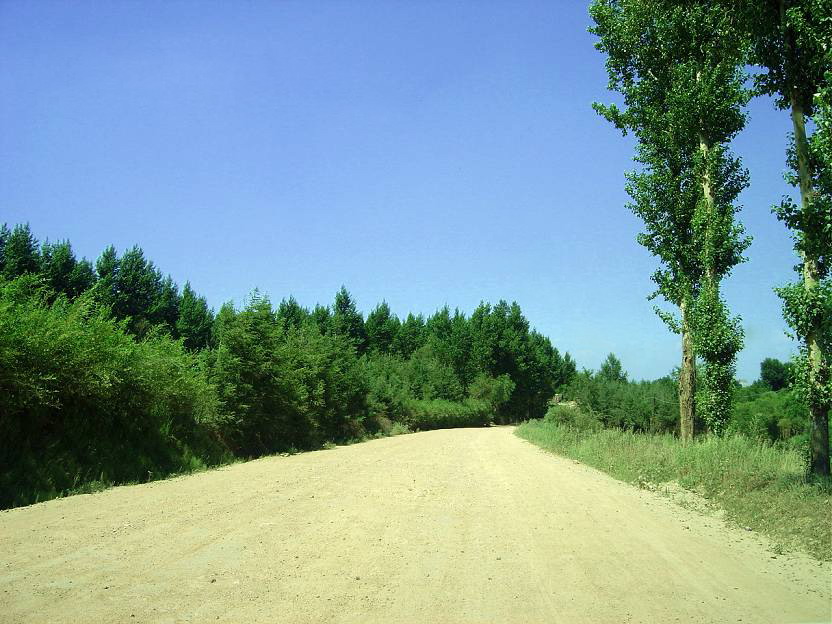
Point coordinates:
[[682, 69], [110, 373], [768, 410]]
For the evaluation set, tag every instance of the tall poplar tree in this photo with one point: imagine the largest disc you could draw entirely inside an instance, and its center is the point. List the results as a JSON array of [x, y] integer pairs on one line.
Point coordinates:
[[792, 42], [710, 51], [671, 63]]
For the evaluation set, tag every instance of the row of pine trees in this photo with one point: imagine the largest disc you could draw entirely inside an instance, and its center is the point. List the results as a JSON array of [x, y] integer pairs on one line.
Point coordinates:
[[109, 372]]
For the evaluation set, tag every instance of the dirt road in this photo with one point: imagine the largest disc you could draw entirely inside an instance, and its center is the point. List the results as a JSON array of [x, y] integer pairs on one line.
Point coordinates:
[[466, 525]]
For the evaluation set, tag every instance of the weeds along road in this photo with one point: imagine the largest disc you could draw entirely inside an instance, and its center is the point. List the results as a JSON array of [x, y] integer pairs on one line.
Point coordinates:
[[465, 525]]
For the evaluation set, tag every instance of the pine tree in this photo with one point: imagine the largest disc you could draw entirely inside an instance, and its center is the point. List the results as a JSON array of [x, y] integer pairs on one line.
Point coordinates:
[[82, 278], [195, 320], [322, 318], [347, 320], [291, 314], [164, 309], [20, 253], [57, 261], [410, 337], [612, 370], [63, 273], [106, 269], [382, 327]]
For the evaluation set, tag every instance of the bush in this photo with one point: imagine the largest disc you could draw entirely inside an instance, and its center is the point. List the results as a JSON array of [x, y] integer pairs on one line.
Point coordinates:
[[573, 417], [440, 414], [284, 387], [767, 415], [81, 401], [648, 406]]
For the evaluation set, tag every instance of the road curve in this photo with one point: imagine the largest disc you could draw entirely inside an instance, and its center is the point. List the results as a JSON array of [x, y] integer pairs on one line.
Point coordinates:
[[465, 525]]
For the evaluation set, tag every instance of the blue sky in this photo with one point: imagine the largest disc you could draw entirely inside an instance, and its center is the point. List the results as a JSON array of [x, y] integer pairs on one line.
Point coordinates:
[[419, 152]]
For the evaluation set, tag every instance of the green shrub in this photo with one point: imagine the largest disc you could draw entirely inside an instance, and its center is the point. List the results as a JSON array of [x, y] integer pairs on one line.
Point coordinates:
[[284, 386], [768, 415], [440, 414], [571, 416], [82, 401], [649, 406]]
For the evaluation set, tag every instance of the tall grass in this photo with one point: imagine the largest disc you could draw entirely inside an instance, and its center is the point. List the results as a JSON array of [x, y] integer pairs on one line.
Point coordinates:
[[758, 485]]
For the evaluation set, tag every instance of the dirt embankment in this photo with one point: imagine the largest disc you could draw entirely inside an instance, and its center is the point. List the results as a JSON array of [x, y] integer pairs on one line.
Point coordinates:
[[467, 525]]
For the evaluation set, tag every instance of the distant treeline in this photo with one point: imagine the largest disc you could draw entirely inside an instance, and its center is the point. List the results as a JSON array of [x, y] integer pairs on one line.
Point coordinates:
[[768, 410], [110, 373]]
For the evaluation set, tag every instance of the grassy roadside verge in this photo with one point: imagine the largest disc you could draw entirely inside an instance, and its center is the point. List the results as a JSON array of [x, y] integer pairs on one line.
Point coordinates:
[[758, 486]]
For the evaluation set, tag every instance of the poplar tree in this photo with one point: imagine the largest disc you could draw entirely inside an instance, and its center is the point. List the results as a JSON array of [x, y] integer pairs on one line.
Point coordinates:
[[792, 42], [710, 53], [682, 87]]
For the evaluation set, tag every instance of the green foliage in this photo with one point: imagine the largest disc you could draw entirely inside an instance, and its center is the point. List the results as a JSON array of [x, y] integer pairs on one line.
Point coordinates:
[[63, 273], [195, 320], [135, 291], [382, 328], [496, 391], [347, 321], [255, 396], [410, 337], [290, 314], [573, 417], [790, 43], [20, 252], [4, 237], [329, 387], [649, 406], [611, 370], [80, 400], [244, 383], [422, 415], [770, 416], [718, 338], [680, 70], [322, 317], [432, 377], [389, 387], [758, 485], [774, 374]]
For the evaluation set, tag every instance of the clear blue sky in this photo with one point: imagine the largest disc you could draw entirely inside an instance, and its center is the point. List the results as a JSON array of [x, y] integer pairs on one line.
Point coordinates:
[[419, 152]]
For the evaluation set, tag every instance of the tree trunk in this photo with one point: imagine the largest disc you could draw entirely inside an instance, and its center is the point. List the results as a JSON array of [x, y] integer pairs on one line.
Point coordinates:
[[708, 195], [818, 410], [687, 380]]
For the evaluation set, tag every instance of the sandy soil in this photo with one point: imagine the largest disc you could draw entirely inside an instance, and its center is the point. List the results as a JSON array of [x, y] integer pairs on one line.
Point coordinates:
[[466, 525]]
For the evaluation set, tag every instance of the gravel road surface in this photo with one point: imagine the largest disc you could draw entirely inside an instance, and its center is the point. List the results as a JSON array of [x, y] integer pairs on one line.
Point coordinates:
[[464, 525]]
